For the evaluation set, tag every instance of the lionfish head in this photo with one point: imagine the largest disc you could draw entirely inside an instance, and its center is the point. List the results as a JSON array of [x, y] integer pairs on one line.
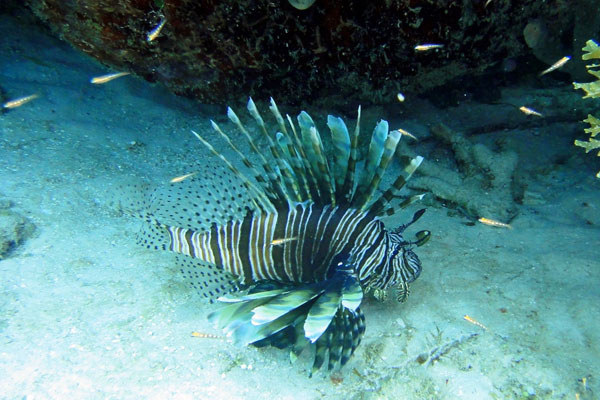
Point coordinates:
[[405, 266]]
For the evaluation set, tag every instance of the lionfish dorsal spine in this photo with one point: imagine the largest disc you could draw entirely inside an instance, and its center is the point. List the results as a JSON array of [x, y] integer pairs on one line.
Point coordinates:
[[278, 117], [271, 174], [288, 175], [313, 147], [380, 134], [341, 144], [258, 198], [257, 175], [253, 110], [294, 162], [311, 179], [348, 187], [381, 206], [389, 149]]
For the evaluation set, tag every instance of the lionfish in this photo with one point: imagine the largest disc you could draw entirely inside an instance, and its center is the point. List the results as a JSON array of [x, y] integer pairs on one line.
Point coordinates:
[[292, 252]]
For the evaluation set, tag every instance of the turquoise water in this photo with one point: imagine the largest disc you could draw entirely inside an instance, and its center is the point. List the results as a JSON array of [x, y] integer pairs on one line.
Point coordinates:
[[86, 313]]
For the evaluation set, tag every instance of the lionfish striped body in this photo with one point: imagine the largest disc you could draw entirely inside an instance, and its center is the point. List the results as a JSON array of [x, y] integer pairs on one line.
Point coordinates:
[[295, 254], [312, 236]]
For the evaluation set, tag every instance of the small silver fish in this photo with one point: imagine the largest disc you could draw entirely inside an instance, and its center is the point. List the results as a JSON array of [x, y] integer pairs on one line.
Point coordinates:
[[182, 177], [107, 78], [278, 242], [492, 222], [153, 34], [20, 101], [406, 133], [429, 46], [556, 65], [530, 111], [475, 322]]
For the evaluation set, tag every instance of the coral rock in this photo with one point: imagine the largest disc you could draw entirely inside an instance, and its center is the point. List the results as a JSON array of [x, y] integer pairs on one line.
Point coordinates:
[[484, 185], [360, 50]]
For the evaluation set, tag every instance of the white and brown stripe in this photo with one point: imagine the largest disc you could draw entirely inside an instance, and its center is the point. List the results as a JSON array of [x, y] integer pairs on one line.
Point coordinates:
[[244, 247]]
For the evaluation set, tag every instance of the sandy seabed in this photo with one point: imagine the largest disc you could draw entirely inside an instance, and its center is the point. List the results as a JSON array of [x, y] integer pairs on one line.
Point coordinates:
[[86, 313]]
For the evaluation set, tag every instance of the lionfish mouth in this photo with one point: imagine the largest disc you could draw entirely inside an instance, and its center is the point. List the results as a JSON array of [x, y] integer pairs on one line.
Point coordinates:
[[271, 247]]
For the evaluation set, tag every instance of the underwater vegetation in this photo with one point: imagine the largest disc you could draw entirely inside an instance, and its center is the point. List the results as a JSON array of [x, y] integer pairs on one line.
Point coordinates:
[[592, 90], [291, 251]]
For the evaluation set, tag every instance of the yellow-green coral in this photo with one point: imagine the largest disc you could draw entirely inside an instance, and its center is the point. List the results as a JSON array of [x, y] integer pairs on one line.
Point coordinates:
[[592, 89]]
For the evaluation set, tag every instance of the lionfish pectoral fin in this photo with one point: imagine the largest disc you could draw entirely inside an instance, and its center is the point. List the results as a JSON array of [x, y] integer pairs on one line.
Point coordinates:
[[300, 343], [283, 304], [321, 314], [232, 298], [265, 317], [352, 294], [354, 326], [231, 316], [340, 340], [321, 352], [335, 322], [270, 333], [343, 291]]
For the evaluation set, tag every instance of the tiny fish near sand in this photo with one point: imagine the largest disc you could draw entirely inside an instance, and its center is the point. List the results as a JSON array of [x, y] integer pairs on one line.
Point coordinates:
[[98, 80], [493, 222], [20, 101]]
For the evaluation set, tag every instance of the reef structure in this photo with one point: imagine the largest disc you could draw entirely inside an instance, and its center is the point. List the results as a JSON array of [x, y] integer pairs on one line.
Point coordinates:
[[360, 50], [481, 183]]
